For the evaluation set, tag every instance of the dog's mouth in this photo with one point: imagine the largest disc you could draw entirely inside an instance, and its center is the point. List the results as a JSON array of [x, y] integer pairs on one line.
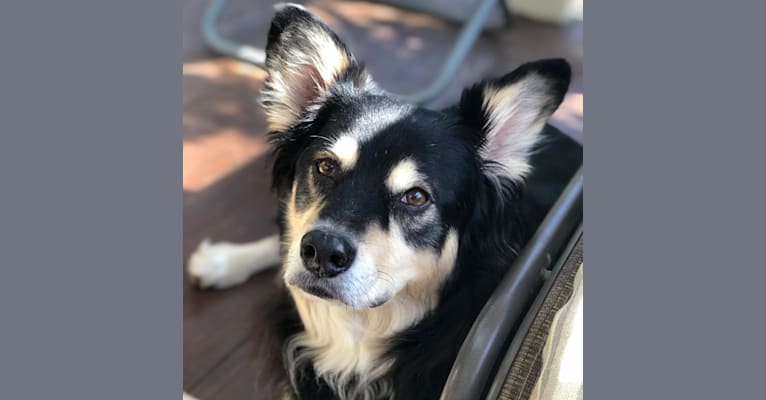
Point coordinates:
[[379, 302], [317, 291], [314, 287], [327, 290]]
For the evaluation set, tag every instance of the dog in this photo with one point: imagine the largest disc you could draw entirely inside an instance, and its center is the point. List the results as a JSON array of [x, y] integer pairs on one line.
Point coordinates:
[[396, 222]]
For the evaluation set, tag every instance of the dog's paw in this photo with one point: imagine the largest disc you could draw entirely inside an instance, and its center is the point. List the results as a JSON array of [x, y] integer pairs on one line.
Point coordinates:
[[212, 266]]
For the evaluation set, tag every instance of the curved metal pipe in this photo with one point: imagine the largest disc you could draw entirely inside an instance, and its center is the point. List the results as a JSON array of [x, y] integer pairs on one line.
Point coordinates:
[[465, 41], [225, 46], [505, 309], [257, 56]]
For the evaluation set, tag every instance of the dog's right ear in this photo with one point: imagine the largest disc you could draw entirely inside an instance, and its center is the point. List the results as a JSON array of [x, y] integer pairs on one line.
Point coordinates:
[[304, 59], [510, 112]]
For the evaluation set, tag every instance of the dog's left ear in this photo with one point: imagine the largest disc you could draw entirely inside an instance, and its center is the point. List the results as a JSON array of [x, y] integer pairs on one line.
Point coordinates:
[[512, 111], [304, 58]]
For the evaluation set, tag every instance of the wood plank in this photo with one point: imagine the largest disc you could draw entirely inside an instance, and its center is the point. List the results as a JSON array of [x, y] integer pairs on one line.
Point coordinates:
[[239, 208], [252, 371], [224, 127]]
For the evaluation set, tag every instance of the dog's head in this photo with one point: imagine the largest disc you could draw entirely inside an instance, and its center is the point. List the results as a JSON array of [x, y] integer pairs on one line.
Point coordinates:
[[377, 192]]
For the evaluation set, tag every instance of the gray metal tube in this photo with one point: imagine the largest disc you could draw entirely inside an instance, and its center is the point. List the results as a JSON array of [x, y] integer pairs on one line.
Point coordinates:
[[465, 41], [257, 56], [504, 309], [225, 46]]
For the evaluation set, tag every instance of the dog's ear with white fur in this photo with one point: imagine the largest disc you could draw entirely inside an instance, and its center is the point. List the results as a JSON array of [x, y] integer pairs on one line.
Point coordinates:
[[511, 112], [304, 58]]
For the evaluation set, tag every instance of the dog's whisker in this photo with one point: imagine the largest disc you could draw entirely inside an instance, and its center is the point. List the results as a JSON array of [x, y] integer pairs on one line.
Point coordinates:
[[387, 278]]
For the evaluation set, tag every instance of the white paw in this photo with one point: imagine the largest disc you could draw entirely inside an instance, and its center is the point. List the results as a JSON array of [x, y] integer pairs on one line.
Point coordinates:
[[212, 266]]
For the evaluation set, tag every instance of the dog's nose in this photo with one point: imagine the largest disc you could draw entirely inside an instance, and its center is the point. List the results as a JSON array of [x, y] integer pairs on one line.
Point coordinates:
[[326, 254]]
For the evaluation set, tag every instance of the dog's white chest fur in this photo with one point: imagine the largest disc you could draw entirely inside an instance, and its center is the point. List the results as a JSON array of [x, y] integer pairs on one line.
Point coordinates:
[[347, 346]]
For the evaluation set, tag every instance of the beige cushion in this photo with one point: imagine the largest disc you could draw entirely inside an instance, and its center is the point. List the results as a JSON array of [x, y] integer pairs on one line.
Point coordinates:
[[562, 377]]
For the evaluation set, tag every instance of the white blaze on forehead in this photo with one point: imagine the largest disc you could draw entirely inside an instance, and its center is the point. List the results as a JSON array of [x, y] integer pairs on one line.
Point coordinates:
[[346, 149], [403, 176], [374, 119]]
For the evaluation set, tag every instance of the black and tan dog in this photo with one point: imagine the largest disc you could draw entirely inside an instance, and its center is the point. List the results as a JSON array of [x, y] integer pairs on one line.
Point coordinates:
[[397, 222]]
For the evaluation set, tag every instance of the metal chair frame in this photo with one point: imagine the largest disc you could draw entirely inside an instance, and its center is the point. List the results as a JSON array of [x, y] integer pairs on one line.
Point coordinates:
[[257, 56]]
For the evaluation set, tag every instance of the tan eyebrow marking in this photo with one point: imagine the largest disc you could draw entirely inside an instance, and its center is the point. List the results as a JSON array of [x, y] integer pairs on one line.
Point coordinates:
[[346, 150], [403, 176]]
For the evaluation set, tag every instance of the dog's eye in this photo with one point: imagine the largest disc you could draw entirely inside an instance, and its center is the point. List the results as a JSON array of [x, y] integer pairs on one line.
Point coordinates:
[[415, 197], [326, 166]]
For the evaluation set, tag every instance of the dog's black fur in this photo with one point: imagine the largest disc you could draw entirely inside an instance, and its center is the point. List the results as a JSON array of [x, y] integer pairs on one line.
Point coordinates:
[[425, 352], [494, 214]]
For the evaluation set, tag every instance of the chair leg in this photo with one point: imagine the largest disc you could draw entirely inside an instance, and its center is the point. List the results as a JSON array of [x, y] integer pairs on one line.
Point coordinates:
[[222, 45], [465, 41]]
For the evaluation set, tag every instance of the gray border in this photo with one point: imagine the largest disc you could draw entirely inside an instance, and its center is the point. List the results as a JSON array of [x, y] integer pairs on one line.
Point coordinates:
[[674, 203], [90, 209]]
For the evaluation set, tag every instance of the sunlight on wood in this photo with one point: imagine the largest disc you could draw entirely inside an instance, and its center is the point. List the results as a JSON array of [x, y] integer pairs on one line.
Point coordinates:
[[223, 123], [211, 157]]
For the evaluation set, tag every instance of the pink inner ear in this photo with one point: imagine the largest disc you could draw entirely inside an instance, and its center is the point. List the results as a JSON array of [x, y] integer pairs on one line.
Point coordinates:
[[308, 90], [511, 133], [499, 137], [514, 125]]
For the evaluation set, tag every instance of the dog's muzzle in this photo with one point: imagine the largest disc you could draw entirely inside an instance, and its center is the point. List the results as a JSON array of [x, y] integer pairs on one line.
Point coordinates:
[[326, 254]]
